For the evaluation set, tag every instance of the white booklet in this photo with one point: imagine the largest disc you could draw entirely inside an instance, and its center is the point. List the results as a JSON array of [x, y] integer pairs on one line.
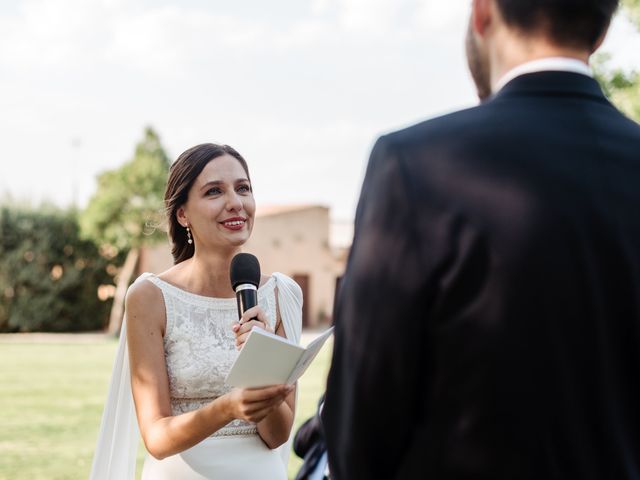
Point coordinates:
[[268, 359]]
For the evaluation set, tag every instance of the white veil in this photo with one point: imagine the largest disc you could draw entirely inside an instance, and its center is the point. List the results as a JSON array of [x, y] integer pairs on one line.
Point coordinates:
[[118, 439]]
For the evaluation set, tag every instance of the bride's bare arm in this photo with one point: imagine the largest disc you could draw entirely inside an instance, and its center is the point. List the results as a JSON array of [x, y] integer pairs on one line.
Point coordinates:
[[162, 433]]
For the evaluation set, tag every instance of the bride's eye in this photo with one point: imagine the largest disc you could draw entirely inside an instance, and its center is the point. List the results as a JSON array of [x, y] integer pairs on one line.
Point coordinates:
[[244, 188], [213, 191]]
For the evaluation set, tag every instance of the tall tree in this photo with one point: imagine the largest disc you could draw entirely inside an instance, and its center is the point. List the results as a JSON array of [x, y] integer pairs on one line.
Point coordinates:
[[126, 212], [623, 88]]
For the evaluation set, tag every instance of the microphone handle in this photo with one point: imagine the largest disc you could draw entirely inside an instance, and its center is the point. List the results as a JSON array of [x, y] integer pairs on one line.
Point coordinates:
[[247, 298]]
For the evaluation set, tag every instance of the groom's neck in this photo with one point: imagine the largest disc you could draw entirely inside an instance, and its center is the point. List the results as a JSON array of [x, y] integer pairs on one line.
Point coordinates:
[[510, 49]]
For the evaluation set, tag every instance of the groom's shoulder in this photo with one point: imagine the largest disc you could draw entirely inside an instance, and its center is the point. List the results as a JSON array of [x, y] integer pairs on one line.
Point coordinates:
[[456, 126]]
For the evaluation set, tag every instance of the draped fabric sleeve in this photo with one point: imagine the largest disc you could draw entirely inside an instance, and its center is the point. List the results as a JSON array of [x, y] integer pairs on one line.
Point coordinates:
[[290, 304], [118, 439], [119, 436]]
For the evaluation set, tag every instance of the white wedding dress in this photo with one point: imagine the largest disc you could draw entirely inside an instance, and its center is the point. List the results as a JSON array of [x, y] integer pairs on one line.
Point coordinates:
[[199, 350]]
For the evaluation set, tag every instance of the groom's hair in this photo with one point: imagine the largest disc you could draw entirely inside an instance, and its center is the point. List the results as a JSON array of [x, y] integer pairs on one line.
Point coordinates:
[[572, 23]]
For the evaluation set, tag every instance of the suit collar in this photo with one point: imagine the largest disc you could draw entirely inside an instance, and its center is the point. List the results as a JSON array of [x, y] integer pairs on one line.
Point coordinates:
[[557, 64], [552, 83]]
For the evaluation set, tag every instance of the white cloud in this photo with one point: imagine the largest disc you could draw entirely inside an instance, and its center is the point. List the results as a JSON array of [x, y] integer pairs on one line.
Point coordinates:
[[408, 18], [623, 43], [59, 34], [167, 39], [368, 15], [302, 97], [54, 33], [319, 7], [439, 15]]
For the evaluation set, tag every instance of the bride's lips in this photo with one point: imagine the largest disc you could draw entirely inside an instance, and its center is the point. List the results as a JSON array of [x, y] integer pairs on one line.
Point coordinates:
[[234, 223]]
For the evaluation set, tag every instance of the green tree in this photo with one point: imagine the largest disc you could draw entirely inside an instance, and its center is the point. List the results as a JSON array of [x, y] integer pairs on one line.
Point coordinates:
[[623, 88], [632, 8], [126, 212]]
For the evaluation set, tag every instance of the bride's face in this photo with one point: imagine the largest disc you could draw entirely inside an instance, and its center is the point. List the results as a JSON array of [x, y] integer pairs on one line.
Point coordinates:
[[220, 208]]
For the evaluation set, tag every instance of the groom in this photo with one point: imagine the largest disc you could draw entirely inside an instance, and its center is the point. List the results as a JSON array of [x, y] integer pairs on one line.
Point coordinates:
[[488, 326]]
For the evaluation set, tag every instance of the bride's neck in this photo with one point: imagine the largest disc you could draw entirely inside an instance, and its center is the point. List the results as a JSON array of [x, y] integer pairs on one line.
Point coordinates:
[[209, 274]]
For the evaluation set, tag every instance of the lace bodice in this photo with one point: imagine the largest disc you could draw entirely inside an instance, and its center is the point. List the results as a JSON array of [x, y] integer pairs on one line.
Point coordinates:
[[200, 348]]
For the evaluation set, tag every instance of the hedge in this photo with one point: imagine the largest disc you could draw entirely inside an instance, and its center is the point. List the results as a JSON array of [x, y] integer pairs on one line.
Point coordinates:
[[49, 276]]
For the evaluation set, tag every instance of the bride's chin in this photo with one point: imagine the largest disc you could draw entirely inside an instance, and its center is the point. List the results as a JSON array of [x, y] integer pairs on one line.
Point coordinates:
[[238, 242]]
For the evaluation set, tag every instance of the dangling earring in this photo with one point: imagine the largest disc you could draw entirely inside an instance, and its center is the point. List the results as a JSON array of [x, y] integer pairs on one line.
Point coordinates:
[[189, 241]]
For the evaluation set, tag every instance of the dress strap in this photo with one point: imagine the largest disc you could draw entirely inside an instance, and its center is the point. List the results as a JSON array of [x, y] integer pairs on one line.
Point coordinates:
[[155, 280]]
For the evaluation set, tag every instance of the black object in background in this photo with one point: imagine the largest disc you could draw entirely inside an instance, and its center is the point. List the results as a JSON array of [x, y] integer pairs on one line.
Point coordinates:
[[309, 444]]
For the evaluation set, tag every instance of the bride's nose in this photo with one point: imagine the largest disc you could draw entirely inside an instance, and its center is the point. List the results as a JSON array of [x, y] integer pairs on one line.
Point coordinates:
[[233, 202]]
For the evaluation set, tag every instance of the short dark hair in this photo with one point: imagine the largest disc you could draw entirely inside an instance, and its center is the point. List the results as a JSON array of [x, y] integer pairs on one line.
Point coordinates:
[[182, 174], [575, 23]]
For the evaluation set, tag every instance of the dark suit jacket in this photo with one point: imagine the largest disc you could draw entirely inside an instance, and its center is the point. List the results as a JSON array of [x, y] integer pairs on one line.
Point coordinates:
[[488, 326]]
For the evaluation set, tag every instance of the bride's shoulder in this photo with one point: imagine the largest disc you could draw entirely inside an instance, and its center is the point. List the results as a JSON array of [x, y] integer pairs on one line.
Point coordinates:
[[144, 308], [143, 292]]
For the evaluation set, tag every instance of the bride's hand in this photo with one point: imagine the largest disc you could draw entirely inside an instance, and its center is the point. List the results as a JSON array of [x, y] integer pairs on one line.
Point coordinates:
[[254, 404], [253, 317]]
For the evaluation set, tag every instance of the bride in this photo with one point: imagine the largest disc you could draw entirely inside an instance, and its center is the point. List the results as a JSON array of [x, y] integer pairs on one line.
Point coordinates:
[[181, 335]]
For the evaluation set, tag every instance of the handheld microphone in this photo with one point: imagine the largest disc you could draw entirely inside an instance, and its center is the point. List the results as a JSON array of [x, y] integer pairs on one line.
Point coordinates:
[[245, 279]]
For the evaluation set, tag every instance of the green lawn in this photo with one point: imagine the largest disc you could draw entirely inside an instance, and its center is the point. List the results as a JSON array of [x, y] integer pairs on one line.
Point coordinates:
[[51, 398]]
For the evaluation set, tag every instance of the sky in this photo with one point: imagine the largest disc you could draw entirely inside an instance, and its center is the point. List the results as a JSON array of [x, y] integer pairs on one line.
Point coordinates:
[[302, 88]]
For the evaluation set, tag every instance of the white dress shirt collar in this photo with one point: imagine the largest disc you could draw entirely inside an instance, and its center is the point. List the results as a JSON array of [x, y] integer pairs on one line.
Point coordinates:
[[555, 64]]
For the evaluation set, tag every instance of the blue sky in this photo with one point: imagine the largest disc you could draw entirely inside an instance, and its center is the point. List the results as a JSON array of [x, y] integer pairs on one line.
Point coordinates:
[[300, 87]]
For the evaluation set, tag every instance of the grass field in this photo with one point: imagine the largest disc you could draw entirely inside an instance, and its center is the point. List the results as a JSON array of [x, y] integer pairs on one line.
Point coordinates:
[[51, 400]]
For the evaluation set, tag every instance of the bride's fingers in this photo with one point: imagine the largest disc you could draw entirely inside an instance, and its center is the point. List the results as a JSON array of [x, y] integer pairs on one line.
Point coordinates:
[[240, 339], [246, 327], [265, 409], [257, 395], [254, 313], [242, 331]]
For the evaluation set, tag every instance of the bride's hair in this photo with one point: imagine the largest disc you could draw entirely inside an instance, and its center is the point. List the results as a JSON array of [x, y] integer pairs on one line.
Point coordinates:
[[182, 174]]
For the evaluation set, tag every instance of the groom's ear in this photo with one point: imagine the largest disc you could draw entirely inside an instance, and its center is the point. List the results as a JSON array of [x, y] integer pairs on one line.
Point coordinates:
[[482, 13]]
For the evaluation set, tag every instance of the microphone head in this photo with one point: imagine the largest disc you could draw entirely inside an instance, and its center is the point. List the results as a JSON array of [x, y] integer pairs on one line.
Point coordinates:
[[245, 268]]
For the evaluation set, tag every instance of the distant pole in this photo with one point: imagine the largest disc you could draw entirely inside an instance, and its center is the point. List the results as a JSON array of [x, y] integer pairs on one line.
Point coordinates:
[[76, 143]]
